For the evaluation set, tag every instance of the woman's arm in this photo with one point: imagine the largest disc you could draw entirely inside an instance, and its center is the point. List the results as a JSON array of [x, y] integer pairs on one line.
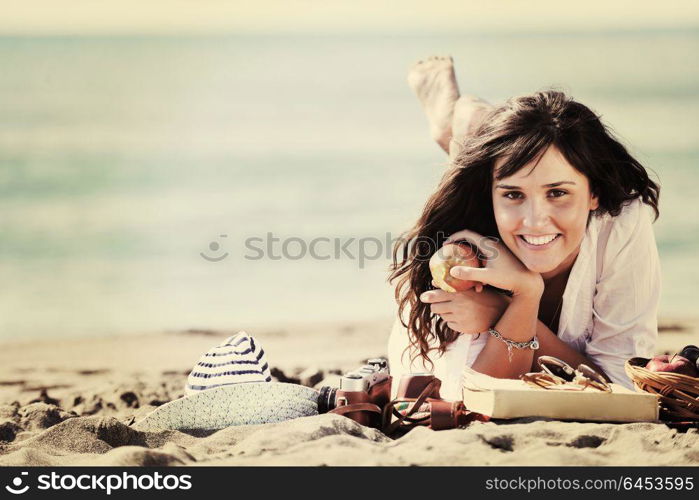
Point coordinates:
[[518, 323], [625, 305]]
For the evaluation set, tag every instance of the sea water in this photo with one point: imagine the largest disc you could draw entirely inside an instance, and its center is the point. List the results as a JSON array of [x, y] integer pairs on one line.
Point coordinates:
[[134, 171]]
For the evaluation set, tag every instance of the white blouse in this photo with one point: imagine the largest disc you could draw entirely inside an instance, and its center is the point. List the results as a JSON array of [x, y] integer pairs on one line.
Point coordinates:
[[609, 311]]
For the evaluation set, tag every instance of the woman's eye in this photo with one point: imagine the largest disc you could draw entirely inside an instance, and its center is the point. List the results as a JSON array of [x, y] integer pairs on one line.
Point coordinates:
[[517, 195]]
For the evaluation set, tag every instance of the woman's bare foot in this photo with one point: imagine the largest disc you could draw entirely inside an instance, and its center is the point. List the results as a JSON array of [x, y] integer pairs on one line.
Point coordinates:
[[434, 82], [469, 113]]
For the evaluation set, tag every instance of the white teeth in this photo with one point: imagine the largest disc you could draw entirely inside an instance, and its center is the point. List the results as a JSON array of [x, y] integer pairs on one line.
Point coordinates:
[[539, 240]]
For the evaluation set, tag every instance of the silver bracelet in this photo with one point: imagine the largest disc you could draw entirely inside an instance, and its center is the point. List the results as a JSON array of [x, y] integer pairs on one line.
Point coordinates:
[[532, 344]]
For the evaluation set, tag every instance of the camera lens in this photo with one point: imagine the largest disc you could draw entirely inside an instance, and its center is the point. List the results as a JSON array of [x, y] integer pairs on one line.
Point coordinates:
[[326, 399]]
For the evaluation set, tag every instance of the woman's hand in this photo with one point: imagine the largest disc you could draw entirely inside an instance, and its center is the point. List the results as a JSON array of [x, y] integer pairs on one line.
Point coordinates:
[[500, 269], [467, 312]]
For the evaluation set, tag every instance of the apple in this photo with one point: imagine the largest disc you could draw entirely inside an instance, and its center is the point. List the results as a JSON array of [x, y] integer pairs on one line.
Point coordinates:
[[673, 364], [450, 255]]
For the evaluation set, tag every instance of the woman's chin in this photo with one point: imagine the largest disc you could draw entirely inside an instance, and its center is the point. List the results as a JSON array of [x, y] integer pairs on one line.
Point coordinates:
[[538, 264], [540, 267]]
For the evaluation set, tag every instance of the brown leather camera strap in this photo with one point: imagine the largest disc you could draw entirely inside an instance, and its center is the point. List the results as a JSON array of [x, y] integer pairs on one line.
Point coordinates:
[[442, 414], [390, 410], [342, 410]]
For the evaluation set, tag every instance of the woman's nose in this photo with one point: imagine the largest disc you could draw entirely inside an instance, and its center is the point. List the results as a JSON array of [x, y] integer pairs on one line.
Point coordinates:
[[536, 214]]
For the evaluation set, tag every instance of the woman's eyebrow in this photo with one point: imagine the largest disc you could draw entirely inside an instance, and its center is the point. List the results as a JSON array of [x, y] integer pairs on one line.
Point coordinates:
[[553, 184]]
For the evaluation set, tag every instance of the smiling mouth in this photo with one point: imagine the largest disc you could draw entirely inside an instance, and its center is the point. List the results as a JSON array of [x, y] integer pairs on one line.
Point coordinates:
[[538, 242]]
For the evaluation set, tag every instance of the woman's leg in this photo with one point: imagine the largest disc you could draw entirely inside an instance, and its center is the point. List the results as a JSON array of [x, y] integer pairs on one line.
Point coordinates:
[[451, 117], [469, 112]]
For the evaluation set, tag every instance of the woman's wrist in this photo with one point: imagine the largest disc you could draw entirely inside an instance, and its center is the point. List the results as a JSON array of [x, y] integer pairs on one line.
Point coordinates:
[[521, 312], [531, 289]]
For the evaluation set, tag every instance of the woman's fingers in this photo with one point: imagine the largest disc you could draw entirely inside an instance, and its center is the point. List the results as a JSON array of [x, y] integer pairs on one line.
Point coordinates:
[[483, 275], [464, 234], [487, 246], [435, 296], [441, 308], [457, 328], [479, 274]]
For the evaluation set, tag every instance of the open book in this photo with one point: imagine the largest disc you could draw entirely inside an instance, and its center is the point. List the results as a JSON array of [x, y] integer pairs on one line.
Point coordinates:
[[507, 398]]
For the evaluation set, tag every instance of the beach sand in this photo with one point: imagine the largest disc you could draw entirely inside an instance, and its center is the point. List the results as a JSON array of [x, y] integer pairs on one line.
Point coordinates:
[[69, 402]]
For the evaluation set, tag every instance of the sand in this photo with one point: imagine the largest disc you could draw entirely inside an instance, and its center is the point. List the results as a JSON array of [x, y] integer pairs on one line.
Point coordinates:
[[71, 402]]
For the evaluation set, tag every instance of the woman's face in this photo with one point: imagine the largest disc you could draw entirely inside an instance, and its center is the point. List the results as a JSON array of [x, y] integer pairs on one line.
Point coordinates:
[[542, 211]]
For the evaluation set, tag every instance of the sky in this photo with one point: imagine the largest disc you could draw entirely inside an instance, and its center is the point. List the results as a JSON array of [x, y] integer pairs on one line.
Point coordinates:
[[72, 17]]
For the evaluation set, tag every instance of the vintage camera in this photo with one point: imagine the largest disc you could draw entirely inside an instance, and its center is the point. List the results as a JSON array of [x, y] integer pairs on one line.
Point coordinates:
[[361, 393]]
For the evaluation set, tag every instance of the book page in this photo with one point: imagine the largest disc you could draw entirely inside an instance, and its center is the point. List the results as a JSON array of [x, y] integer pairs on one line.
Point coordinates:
[[476, 381]]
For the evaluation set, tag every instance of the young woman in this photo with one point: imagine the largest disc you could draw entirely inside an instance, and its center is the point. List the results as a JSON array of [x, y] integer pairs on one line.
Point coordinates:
[[562, 214]]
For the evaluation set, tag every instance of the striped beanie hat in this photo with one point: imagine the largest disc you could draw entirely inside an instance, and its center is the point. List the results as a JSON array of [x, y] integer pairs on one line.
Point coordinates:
[[238, 359]]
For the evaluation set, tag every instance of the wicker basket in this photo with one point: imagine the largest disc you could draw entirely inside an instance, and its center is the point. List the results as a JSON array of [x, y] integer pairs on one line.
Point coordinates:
[[679, 394]]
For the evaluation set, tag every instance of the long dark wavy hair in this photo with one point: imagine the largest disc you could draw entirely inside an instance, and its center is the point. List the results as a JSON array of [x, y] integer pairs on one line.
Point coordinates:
[[520, 131]]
